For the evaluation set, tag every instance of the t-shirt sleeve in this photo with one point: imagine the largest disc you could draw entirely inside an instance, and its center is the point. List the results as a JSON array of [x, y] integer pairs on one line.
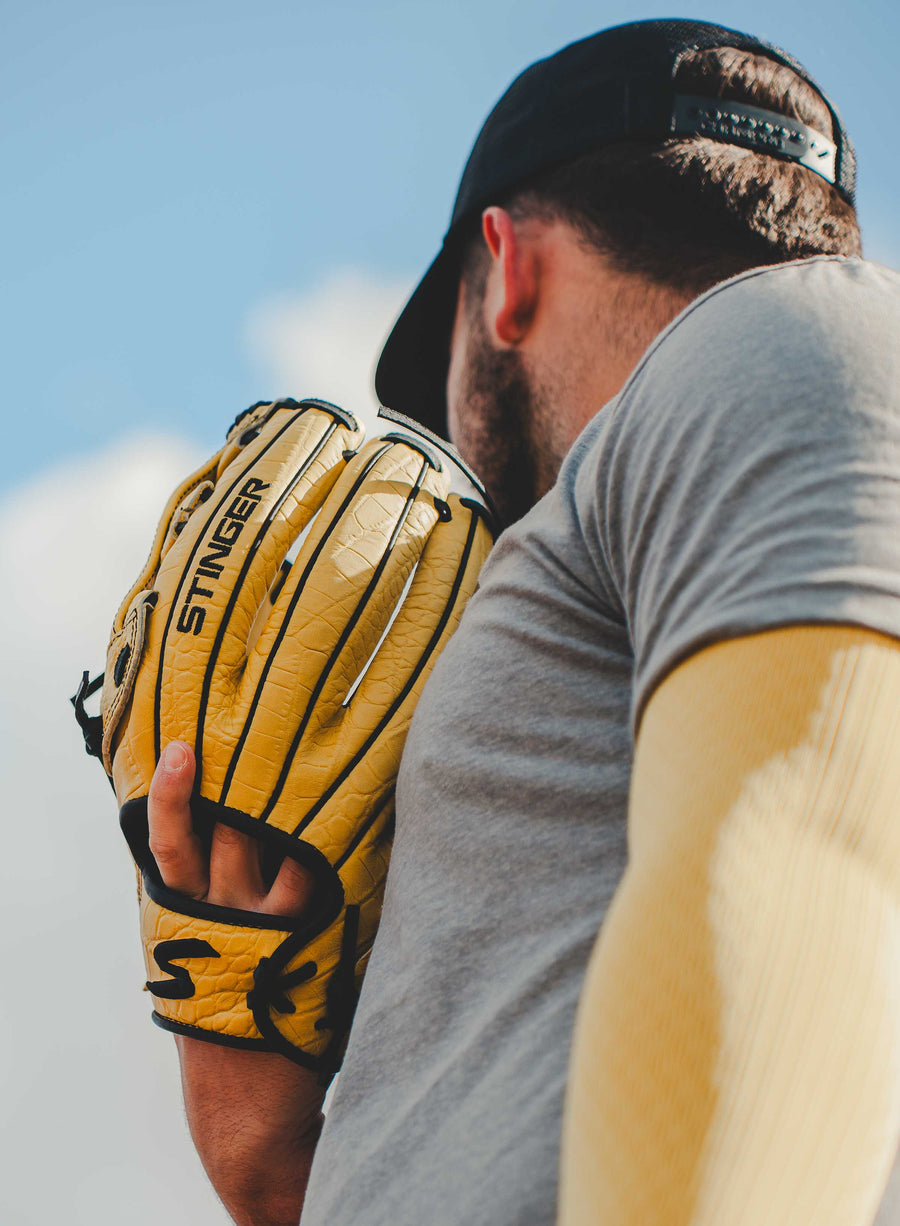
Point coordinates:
[[749, 477]]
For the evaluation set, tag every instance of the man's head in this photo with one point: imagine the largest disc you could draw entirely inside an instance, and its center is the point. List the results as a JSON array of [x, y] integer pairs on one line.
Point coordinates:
[[546, 331], [610, 185]]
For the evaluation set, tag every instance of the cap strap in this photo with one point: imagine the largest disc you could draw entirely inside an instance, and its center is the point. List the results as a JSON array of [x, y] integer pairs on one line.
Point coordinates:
[[734, 123]]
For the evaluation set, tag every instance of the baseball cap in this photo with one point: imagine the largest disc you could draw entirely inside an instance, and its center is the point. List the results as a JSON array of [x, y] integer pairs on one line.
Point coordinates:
[[615, 85]]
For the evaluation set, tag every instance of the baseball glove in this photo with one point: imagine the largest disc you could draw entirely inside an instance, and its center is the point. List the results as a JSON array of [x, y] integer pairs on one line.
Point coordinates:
[[295, 683]]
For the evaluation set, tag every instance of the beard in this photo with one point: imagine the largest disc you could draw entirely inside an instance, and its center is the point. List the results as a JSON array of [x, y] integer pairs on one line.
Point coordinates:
[[497, 425]]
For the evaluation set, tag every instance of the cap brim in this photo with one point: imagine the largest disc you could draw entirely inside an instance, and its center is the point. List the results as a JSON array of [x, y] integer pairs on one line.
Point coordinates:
[[411, 375]]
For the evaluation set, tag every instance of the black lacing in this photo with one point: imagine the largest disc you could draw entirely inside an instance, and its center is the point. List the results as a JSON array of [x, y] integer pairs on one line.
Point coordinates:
[[271, 987], [270, 994], [91, 725], [340, 999], [340, 995], [245, 412]]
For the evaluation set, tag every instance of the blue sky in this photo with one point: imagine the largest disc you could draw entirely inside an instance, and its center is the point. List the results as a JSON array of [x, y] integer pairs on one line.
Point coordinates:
[[170, 165]]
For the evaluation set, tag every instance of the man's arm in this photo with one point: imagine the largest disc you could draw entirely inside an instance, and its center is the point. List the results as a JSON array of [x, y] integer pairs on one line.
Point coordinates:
[[255, 1116], [737, 1050]]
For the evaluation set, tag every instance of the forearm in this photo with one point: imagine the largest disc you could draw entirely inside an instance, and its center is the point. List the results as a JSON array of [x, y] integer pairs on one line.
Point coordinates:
[[255, 1119], [736, 1056]]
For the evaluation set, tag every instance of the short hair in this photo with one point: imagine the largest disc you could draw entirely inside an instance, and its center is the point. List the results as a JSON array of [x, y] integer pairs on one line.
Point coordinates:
[[687, 213]]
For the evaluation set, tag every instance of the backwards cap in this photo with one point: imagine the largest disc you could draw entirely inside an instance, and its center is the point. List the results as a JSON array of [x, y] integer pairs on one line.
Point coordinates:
[[616, 85]]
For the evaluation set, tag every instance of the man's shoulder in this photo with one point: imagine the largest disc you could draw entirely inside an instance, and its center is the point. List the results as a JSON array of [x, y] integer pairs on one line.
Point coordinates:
[[794, 365], [797, 319], [796, 282], [748, 475], [822, 333]]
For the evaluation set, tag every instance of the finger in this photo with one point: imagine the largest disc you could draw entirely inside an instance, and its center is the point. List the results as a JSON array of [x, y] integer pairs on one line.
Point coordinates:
[[235, 879], [291, 891], [175, 847]]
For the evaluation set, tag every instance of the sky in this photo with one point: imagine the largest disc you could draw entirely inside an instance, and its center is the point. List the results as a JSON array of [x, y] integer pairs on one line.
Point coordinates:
[[206, 205], [176, 169]]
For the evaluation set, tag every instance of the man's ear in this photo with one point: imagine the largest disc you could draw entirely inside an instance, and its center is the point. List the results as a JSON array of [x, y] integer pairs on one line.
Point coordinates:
[[512, 284]]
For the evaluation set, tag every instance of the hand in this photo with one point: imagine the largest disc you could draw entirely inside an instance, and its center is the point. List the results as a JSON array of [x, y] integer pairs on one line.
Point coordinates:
[[255, 1117], [232, 875]]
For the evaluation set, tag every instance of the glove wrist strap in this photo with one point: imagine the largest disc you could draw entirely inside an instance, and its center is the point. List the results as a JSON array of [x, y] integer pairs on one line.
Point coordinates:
[[269, 989]]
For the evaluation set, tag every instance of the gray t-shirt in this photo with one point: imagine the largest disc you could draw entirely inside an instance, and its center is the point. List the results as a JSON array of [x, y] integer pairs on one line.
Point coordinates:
[[746, 477]]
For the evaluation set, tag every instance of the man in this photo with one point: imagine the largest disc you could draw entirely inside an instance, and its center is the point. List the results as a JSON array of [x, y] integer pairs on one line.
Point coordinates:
[[690, 642]]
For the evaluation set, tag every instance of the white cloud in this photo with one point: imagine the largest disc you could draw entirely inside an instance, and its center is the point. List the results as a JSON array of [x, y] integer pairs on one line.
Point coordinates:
[[325, 343], [84, 1075], [71, 543], [91, 1108], [75, 538]]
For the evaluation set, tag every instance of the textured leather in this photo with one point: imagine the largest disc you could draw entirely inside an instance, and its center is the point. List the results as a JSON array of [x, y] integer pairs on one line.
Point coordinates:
[[261, 677]]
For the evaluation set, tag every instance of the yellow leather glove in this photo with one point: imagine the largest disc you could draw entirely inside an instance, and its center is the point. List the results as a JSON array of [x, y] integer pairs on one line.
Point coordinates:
[[295, 685]]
